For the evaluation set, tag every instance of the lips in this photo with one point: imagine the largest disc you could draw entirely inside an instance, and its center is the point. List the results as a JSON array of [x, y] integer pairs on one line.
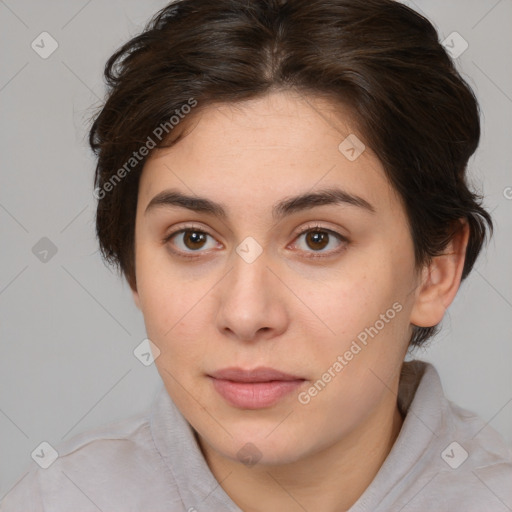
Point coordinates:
[[261, 374], [254, 389]]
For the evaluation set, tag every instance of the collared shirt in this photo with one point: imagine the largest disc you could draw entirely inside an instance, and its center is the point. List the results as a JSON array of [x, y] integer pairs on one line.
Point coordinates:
[[445, 458]]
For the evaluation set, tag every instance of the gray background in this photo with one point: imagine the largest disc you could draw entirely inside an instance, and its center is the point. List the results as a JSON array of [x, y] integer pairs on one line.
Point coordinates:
[[69, 326]]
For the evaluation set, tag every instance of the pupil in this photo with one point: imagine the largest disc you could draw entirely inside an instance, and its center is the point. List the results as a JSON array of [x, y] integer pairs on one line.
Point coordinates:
[[195, 238], [317, 237]]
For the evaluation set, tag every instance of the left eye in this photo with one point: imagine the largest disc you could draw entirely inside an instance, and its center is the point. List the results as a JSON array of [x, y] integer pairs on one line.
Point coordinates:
[[317, 239]]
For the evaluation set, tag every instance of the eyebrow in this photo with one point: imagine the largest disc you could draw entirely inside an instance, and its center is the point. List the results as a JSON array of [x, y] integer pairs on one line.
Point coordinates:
[[328, 196]]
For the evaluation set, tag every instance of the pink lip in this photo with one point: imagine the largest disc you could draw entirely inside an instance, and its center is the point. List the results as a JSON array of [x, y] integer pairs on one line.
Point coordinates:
[[254, 389]]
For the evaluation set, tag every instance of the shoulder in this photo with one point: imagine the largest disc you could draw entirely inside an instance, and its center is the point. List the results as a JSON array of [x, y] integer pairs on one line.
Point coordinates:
[[112, 467], [468, 464], [445, 457], [478, 461], [467, 469]]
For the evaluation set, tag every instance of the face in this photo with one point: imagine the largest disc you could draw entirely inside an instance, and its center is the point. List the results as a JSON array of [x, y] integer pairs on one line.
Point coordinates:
[[314, 296]]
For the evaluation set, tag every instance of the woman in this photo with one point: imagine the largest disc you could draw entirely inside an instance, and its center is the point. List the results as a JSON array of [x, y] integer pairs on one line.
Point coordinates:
[[282, 184]]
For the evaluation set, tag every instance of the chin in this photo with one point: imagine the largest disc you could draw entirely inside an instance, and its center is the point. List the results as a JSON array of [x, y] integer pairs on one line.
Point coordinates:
[[274, 450]]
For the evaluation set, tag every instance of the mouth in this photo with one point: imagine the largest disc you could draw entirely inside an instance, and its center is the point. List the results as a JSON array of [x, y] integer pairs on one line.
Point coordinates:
[[254, 389]]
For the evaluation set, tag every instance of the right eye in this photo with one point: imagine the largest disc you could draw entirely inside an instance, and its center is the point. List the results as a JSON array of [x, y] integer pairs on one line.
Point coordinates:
[[186, 241]]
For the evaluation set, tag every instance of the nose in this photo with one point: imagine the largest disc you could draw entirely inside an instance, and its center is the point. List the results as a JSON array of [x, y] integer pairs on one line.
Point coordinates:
[[252, 303]]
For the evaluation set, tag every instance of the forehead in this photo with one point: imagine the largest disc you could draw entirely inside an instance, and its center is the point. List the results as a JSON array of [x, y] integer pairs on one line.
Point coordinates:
[[280, 144]]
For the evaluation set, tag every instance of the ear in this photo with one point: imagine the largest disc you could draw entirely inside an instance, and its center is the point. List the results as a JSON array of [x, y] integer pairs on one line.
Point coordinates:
[[440, 281]]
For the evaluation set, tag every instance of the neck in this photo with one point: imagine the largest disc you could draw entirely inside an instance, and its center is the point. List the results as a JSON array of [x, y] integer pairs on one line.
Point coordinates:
[[329, 480]]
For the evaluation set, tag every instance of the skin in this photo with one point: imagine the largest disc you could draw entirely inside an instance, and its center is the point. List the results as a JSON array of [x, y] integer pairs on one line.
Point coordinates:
[[284, 310]]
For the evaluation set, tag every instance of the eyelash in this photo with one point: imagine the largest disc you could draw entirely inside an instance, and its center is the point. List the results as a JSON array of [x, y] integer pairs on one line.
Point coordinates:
[[307, 229]]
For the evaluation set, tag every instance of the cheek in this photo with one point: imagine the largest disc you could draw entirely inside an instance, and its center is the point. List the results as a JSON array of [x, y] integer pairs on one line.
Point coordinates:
[[173, 306], [355, 368], [366, 310], [352, 298], [172, 313]]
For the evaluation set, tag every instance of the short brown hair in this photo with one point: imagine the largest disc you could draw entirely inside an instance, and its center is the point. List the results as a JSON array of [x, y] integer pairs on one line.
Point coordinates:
[[380, 58]]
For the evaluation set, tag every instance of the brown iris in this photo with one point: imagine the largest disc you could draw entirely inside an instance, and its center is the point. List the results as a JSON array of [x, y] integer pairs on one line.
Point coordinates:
[[195, 238], [317, 239]]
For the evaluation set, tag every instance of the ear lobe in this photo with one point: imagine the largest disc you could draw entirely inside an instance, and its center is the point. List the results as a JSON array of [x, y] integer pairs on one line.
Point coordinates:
[[440, 281]]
